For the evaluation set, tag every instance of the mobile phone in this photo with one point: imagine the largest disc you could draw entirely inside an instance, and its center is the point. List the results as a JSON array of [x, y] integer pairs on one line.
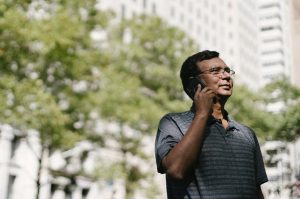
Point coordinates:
[[192, 88]]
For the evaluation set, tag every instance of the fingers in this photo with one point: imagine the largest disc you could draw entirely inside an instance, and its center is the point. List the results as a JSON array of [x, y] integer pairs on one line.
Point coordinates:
[[205, 91], [198, 90], [202, 89], [203, 100]]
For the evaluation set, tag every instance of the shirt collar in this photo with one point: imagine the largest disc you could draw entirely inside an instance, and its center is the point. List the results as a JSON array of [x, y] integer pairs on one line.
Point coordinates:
[[212, 119]]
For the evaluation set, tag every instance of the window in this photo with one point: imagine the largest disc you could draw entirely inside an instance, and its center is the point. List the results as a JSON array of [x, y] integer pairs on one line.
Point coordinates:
[[85, 193], [11, 182], [213, 25], [205, 19], [53, 188], [181, 17], [206, 3], [198, 13], [154, 8], [214, 41], [190, 24], [133, 14], [206, 36], [123, 10], [14, 145], [221, 15], [199, 30], [213, 8], [190, 8], [68, 192], [172, 12], [229, 20], [144, 4]]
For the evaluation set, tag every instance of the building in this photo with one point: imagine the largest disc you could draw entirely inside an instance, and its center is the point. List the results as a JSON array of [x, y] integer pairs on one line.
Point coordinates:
[[85, 171], [275, 44], [254, 37], [226, 26], [64, 175], [17, 169], [296, 42], [282, 161], [223, 25]]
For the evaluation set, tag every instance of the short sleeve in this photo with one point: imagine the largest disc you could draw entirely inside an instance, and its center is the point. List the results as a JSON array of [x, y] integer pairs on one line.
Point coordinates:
[[261, 176], [168, 135]]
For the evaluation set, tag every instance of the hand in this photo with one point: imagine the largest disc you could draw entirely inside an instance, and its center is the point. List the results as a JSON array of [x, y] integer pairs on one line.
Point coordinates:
[[203, 100]]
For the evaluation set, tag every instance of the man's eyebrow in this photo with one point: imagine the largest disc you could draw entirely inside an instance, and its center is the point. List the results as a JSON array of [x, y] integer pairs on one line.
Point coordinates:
[[214, 66]]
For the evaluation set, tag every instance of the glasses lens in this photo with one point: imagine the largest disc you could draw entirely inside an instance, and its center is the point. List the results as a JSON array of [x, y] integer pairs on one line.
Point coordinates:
[[227, 70]]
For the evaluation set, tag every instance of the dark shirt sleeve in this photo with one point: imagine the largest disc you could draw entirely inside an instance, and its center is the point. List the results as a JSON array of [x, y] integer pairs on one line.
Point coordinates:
[[261, 176], [168, 135]]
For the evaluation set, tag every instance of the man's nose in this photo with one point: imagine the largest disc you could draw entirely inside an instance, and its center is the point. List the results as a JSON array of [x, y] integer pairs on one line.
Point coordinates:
[[225, 75]]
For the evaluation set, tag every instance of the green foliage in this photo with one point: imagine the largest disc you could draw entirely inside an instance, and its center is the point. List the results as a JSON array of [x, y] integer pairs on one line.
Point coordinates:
[[289, 126], [121, 98], [149, 53], [249, 108], [281, 90], [152, 51], [288, 96], [54, 76], [26, 104], [49, 57], [141, 84], [254, 110]]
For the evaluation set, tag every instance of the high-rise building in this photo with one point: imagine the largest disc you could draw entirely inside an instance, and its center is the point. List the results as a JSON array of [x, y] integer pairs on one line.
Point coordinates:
[[296, 43], [254, 37], [275, 45], [222, 25]]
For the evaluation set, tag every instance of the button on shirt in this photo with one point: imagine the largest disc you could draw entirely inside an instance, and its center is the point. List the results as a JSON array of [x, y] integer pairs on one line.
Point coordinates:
[[229, 166]]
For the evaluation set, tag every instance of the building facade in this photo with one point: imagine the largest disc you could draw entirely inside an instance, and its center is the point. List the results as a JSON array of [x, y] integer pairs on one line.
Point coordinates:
[[275, 42], [296, 43], [253, 37], [63, 173], [86, 171], [282, 161]]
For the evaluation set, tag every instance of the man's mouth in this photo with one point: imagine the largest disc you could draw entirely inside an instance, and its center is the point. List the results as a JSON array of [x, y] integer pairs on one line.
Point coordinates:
[[228, 86]]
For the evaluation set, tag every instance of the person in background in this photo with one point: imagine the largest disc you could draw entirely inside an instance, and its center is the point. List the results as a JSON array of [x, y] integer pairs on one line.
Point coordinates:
[[204, 152]]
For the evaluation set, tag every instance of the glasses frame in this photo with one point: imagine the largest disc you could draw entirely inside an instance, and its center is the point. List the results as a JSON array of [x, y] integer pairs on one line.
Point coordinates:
[[220, 72]]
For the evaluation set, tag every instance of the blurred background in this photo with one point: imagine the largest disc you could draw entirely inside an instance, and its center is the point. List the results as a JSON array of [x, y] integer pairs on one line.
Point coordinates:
[[83, 85]]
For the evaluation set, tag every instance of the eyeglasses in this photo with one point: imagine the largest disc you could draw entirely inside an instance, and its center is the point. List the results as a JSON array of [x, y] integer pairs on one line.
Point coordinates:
[[217, 71]]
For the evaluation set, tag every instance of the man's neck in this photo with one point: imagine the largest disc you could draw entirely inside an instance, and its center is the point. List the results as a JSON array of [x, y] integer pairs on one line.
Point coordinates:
[[218, 110]]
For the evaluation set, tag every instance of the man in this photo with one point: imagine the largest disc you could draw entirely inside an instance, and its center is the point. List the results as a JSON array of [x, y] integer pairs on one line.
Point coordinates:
[[203, 151]]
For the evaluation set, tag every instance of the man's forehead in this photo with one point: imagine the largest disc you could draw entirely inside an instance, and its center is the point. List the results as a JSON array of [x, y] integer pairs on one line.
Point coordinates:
[[206, 64]]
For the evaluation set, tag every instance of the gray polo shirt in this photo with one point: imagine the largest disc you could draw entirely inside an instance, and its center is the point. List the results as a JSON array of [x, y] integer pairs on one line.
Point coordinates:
[[229, 166]]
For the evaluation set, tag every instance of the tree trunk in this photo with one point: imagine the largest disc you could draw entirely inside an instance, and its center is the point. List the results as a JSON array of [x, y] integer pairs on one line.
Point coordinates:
[[39, 171]]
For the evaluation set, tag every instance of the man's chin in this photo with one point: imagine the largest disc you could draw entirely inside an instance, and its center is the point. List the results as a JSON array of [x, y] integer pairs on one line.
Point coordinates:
[[224, 90], [225, 94]]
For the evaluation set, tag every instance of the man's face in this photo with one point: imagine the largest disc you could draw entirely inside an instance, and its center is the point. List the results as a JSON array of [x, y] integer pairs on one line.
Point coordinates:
[[222, 83]]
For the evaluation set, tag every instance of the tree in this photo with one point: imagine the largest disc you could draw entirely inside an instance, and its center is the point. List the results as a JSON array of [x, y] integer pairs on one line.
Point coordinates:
[[47, 64], [54, 49], [249, 108], [62, 68], [147, 49], [254, 110], [287, 99], [140, 85]]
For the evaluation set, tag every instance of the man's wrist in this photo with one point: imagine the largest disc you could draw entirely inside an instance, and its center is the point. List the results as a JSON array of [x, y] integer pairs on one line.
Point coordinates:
[[201, 115]]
